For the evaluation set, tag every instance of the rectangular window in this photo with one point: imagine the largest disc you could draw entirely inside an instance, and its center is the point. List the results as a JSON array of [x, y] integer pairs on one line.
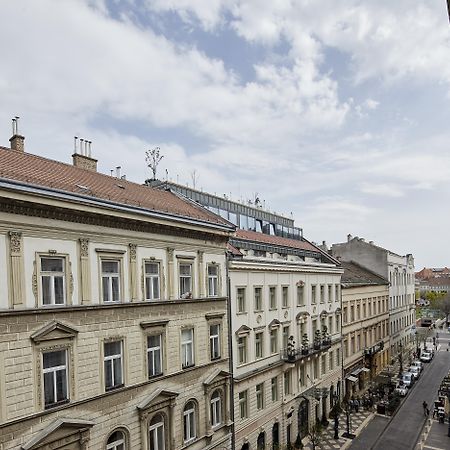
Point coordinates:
[[338, 324], [243, 409], [154, 355], [313, 295], [110, 280], [322, 293], [259, 341], [300, 296], [287, 382], [258, 299], [113, 365], [53, 281], [337, 297], [152, 281], [260, 396], [286, 334], [240, 295], [330, 293], [324, 364], [213, 280], [316, 369], [285, 299], [331, 362], [187, 347], [302, 375], [274, 388], [274, 341], [345, 318], [55, 378], [216, 409], [185, 280], [338, 356], [214, 341], [273, 297], [242, 349]]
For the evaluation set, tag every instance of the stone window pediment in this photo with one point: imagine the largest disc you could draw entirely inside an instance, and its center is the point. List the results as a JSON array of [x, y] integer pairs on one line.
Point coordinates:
[[216, 377], [53, 331], [275, 323], [158, 399], [302, 316], [243, 330], [61, 433]]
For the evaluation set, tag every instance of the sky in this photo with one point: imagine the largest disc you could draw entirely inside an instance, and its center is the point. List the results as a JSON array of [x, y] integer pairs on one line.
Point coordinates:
[[336, 111]]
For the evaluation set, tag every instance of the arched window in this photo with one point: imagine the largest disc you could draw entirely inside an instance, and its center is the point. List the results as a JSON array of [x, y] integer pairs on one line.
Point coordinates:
[[189, 420], [216, 409], [116, 441], [156, 433]]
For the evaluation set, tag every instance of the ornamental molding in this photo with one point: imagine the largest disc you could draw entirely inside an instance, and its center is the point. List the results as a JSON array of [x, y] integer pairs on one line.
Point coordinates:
[[133, 248], [15, 243], [84, 247]]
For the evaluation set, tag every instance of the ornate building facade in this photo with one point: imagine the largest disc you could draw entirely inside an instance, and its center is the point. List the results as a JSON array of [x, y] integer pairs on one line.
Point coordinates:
[[113, 312]]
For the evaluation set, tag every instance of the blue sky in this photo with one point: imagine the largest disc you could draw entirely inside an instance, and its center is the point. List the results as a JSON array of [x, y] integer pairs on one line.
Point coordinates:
[[336, 111]]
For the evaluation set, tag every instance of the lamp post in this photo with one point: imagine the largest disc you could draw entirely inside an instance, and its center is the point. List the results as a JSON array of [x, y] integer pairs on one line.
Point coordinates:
[[348, 434], [336, 407], [400, 359]]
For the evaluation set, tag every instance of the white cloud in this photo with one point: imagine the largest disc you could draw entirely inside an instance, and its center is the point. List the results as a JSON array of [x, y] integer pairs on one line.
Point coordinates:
[[386, 190]]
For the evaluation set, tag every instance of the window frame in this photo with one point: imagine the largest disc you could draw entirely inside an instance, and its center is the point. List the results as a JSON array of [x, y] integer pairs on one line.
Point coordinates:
[[243, 404], [273, 298], [259, 343], [184, 345], [242, 347], [119, 275], [105, 358], [65, 349], [241, 301], [216, 409], [285, 296], [215, 279], [153, 428], [215, 341], [148, 350], [182, 278], [259, 393], [115, 445], [190, 421], [66, 276], [258, 304], [274, 388], [147, 277]]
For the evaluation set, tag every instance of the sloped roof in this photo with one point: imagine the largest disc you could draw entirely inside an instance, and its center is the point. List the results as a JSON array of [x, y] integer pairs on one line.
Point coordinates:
[[43, 172], [356, 275]]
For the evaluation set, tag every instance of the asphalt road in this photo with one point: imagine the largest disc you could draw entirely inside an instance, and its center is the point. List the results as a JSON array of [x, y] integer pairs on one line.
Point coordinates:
[[404, 430]]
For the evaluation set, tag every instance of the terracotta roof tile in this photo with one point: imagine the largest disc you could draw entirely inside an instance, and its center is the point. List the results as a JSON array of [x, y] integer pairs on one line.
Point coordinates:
[[276, 240], [38, 171]]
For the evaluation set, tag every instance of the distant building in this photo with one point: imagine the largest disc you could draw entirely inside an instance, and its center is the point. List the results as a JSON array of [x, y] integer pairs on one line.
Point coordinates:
[[285, 325], [365, 325], [435, 279], [399, 270], [113, 312]]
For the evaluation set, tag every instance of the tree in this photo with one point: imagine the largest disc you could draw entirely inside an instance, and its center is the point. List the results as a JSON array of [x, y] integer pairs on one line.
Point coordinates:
[[315, 435], [153, 158], [444, 305]]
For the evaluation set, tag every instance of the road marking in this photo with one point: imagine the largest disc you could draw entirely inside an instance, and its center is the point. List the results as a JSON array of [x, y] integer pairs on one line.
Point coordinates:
[[434, 448]]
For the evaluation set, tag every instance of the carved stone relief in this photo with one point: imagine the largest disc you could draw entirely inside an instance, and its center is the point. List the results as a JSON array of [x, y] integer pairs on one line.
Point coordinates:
[[15, 242]]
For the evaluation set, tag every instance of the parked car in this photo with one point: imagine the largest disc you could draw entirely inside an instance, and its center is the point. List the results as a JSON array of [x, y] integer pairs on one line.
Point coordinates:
[[425, 357], [408, 379], [418, 364], [401, 390], [415, 371]]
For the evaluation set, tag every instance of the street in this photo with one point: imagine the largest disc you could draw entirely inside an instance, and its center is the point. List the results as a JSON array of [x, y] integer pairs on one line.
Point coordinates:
[[403, 431]]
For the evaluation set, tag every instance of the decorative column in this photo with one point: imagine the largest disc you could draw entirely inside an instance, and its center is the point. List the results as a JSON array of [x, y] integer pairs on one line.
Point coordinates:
[[201, 274], [85, 271], [17, 293], [133, 273], [170, 274]]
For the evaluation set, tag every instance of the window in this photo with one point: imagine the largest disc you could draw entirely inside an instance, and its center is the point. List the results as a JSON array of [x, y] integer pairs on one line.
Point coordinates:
[[273, 297], [337, 297], [313, 294], [316, 368], [152, 281], [216, 409], [260, 396], [287, 382], [213, 280], [214, 341], [240, 295], [324, 364], [243, 408], [338, 356], [116, 441], [274, 388], [185, 280], [331, 360], [187, 347], [285, 336], [274, 341], [285, 299], [322, 293], [154, 355], [259, 341], [113, 362], [302, 379], [300, 295], [110, 280], [55, 378], [242, 349], [156, 433], [330, 293], [189, 422], [258, 299], [52, 281]]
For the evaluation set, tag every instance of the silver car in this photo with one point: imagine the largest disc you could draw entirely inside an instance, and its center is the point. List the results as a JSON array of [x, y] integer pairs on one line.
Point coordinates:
[[415, 371]]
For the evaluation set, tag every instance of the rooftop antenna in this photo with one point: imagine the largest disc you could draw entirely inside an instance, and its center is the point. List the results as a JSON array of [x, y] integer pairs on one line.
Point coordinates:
[[194, 176]]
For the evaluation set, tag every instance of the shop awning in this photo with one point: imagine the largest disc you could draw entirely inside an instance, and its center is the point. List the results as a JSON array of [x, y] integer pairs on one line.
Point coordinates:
[[352, 379]]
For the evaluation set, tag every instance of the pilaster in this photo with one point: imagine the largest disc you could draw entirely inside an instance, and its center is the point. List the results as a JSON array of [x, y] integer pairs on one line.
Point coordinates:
[[201, 274], [17, 292], [133, 273], [170, 274], [85, 271]]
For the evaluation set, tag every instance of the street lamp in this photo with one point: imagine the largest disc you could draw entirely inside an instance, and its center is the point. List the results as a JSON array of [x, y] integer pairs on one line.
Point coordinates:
[[400, 359], [348, 433]]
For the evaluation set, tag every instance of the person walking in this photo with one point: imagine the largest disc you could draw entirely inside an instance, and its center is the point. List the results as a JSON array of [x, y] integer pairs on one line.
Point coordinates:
[[425, 408]]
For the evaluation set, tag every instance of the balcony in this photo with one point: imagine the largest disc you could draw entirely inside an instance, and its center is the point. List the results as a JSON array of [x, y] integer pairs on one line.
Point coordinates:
[[370, 351], [296, 354]]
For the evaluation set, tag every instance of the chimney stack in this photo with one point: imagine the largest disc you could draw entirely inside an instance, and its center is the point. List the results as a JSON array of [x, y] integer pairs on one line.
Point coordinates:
[[17, 140], [82, 154], [349, 237]]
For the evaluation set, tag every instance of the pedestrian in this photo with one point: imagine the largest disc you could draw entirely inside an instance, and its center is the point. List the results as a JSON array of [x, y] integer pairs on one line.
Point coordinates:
[[425, 408]]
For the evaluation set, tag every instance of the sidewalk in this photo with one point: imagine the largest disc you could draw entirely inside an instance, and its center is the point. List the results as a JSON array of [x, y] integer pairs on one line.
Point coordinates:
[[358, 421]]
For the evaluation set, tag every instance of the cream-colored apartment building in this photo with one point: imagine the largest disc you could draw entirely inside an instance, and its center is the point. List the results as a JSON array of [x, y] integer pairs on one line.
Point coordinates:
[[286, 337], [365, 326], [113, 312]]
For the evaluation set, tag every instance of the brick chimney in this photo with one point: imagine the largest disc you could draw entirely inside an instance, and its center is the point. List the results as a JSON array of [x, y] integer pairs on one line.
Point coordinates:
[[82, 157], [17, 140]]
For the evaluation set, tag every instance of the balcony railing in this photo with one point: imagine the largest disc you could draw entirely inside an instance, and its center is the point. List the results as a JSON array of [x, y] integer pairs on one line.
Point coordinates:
[[296, 354], [369, 351]]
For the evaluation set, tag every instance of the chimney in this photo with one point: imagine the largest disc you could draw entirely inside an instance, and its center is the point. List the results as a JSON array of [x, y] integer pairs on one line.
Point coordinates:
[[17, 140], [349, 237], [82, 154]]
